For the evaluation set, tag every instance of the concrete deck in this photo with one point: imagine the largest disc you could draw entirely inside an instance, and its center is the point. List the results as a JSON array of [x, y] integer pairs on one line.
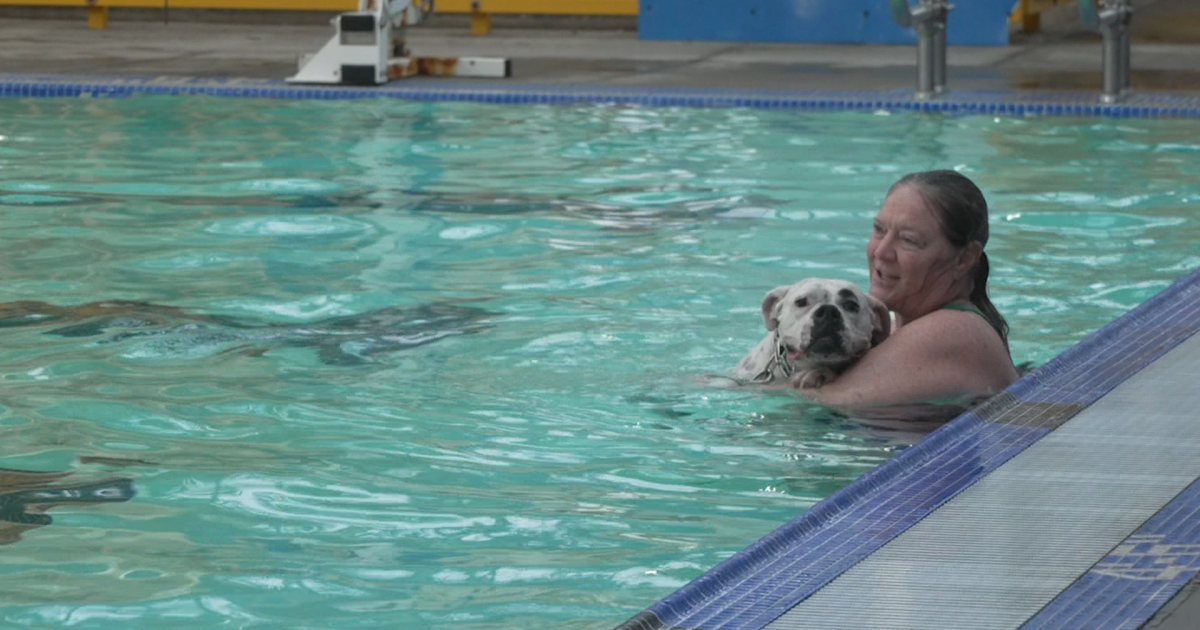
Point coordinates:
[[1165, 57]]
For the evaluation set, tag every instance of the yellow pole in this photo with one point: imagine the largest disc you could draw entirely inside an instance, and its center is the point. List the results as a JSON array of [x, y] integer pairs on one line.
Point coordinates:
[[1031, 19], [97, 17], [481, 23]]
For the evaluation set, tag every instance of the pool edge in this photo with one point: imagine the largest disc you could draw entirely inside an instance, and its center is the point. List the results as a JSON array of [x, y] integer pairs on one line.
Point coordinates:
[[983, 102]]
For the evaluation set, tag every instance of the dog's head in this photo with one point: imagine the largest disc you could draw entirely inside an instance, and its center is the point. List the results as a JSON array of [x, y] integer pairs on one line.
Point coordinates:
[[825, 322]]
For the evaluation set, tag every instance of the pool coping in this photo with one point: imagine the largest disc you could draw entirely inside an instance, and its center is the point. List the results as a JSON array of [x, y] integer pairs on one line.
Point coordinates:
[[988, 102]]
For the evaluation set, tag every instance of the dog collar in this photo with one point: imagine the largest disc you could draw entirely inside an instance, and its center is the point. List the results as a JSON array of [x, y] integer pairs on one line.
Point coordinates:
[[780, 360]]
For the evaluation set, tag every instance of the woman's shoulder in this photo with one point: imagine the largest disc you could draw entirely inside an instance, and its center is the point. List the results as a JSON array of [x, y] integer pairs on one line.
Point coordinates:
[[959, 339], [950, 331]]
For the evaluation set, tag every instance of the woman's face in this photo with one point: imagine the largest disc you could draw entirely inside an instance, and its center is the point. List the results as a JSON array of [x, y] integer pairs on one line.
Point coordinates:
[[914, 268]]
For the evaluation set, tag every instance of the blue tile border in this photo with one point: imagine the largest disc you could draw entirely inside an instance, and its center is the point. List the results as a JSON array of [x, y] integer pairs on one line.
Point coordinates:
[[768, 578], [982, 102]]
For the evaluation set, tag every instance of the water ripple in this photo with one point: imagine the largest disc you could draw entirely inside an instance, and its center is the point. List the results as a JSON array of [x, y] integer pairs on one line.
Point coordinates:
[[568, 463]]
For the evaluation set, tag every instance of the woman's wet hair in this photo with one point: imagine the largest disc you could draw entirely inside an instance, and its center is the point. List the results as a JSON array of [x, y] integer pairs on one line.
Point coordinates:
[[962, 213]]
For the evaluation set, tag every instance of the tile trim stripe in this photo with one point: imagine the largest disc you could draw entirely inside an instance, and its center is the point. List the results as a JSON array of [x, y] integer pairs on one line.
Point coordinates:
[[983, 102], [769, 577]]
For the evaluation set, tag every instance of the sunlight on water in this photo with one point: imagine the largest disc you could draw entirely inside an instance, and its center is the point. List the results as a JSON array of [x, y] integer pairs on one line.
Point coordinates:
[[409, 365]]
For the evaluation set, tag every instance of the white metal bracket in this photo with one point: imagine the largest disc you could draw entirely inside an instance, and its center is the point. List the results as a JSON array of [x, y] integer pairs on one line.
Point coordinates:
[[368, 48]]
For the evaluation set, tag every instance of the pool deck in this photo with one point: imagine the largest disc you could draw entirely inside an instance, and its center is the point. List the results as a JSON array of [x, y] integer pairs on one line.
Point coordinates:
[[1165, 56], [1070, 502]]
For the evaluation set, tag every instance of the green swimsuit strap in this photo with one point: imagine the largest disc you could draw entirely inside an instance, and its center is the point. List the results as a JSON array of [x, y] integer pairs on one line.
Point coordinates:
[[971, 308], [968, 307]]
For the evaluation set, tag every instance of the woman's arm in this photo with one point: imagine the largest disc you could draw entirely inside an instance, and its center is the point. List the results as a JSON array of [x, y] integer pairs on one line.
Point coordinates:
[[945, 356]]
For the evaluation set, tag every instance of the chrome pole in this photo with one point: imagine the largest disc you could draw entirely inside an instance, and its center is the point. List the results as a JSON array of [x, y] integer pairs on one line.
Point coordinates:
[[928, 18], [926, 59], [1112, 18], [939, 55], [1111, 55], [1126, 44]]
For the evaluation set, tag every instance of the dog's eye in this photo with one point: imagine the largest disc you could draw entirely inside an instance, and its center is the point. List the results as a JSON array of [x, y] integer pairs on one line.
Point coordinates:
[[801, 302], [851, 307]]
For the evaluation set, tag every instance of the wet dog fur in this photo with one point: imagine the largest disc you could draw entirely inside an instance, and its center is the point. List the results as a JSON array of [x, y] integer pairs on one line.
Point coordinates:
[[816, 328]]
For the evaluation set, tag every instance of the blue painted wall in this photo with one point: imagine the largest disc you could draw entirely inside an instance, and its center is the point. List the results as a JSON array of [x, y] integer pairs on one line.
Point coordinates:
[[972, 22]]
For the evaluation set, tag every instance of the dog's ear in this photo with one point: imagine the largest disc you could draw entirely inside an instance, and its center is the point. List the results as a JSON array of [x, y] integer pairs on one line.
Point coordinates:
[[769, 310], [881, 321]]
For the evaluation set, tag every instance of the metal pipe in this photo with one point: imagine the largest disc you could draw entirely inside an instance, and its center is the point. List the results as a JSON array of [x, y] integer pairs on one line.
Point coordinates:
[[1125, 45], [1112, 18], [929, 20], [926, 59], [1111, 55], [939, 56]]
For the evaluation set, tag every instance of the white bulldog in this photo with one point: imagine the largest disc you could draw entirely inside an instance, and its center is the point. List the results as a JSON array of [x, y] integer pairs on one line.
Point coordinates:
[[818, 327]]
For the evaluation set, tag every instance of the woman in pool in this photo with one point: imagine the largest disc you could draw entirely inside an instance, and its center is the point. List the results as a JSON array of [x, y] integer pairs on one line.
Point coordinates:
[[949, 344]]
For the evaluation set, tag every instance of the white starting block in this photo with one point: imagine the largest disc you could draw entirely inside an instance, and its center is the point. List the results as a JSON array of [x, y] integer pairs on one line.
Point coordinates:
[[369, 49]]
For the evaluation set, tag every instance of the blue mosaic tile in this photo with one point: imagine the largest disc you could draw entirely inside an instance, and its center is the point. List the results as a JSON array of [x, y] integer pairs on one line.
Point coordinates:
[[1129, 585], [955, 102]]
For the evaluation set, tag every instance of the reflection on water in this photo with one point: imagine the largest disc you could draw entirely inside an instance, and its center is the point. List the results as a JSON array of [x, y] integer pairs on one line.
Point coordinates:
[[26, 495], [171, 331]]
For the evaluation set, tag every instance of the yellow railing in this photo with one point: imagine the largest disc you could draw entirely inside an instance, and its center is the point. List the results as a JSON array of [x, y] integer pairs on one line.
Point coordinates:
[[1028, 13], [281, 5], [98, 9], [480, 10]]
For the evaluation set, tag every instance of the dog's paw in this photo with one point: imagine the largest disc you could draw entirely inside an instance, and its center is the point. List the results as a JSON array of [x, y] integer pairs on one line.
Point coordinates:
[[812, 379]]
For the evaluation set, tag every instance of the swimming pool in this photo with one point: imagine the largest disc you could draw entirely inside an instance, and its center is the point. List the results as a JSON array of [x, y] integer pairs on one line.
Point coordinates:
[[296, 466]]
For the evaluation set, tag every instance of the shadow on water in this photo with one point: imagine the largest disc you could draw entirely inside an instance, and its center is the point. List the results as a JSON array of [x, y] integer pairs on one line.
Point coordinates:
[[692, 204], [897, 427], [900, 423], [228, 204], [173, 331], [619, 208]]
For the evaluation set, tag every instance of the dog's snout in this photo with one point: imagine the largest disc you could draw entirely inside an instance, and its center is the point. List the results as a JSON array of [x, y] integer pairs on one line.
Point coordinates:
[[827, 314], [827, 321]]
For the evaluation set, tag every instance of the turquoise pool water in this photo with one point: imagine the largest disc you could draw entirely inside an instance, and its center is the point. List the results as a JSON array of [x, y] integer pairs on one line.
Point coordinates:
[[314, 445]]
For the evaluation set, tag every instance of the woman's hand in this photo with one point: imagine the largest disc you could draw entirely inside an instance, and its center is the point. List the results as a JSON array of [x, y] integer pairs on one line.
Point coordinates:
[[811, 379]]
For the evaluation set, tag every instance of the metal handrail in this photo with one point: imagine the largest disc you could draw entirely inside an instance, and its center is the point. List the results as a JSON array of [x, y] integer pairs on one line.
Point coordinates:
[[1112, 18], [928, 18]]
